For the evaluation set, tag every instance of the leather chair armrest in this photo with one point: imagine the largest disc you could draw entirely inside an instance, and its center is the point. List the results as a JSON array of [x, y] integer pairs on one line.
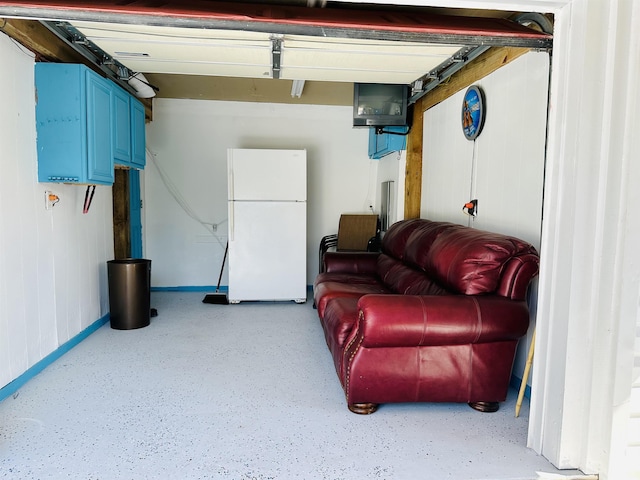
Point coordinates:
[[419, 320], [351, 262]]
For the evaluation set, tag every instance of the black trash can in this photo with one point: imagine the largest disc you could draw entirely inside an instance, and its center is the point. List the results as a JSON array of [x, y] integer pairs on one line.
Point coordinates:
[[129, 293]]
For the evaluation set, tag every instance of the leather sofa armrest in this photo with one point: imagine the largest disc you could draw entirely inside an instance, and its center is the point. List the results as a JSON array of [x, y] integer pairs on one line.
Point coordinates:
[[419, 320], [351, 262]]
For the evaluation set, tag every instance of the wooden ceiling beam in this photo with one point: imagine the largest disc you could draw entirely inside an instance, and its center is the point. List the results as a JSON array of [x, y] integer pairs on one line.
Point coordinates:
[[40, 40], [485, 64], [47, 47]]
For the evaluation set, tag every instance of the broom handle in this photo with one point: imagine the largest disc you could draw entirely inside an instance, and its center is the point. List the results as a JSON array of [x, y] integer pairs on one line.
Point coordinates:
[[226, 249], [525, 375]]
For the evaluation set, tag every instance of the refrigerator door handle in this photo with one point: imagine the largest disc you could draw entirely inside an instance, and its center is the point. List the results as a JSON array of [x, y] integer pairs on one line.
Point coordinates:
[[230, 180], [230, 194]]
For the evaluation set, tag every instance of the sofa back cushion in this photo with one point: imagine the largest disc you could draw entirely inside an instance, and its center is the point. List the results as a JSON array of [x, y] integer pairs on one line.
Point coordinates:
[[418, 245], [402, 279], [470, 261], [395, 239], [420, 256]]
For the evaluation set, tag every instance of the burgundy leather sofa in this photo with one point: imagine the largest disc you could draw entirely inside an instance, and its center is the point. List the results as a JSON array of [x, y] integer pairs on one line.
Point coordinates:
[[434, 317]]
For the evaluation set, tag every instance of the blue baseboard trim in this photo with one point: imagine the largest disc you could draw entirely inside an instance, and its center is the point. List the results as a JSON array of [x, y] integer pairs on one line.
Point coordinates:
[[12, 387], [196, 288], [515, 383], [201, 288]]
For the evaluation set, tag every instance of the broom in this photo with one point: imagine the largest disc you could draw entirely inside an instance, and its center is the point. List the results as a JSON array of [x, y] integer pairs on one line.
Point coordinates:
[[218, 297]]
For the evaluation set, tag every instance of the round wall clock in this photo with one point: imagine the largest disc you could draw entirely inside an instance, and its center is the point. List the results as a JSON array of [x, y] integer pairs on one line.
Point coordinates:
[[472, 112]]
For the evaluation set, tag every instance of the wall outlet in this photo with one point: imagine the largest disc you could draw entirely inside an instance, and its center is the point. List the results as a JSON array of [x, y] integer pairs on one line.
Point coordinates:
[[214, 227]]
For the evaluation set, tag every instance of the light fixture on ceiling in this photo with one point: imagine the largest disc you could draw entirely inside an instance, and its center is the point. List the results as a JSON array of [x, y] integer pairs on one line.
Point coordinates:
[[141, 85], [296, 88]]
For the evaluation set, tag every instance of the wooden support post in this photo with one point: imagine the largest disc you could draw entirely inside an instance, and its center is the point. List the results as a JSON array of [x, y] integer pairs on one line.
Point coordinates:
[[413, 172]]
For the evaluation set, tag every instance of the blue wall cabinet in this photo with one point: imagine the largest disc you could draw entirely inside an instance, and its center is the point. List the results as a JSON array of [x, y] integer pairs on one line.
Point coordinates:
[[385, 143], [128, 129], [73, 118]]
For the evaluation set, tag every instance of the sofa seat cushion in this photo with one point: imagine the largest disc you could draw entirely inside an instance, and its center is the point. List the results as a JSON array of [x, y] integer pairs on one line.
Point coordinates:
[[351, 278], [328, 290]]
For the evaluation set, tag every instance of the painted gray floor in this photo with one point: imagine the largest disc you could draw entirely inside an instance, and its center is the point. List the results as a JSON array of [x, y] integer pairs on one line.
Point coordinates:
[[241, 392]]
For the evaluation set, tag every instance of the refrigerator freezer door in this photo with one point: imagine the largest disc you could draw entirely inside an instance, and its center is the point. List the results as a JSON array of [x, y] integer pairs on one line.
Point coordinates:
[[267, 174], [267, 251]]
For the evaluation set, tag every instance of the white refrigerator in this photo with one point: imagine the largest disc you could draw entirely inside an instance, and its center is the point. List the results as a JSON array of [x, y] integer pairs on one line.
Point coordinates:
[[267, 225]]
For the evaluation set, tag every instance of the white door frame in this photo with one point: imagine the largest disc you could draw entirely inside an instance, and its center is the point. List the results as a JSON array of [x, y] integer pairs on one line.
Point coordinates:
[[590, 270]]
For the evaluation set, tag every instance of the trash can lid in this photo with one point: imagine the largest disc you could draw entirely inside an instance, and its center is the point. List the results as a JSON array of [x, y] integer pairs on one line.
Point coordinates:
[[129, 260]]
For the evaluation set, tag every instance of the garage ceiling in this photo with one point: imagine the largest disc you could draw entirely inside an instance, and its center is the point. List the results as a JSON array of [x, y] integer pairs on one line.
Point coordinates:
[[277, 39]]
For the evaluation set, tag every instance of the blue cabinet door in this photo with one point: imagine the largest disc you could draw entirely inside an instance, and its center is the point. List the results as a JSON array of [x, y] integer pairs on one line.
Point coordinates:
[[135, 218], [128, 129], [121, 120], [60, 122], [381, 144], [99, 144], [73, 121], [139, 156]]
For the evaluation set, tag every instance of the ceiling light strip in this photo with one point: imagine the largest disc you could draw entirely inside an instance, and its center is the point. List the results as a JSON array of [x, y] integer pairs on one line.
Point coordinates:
[[296, 88]]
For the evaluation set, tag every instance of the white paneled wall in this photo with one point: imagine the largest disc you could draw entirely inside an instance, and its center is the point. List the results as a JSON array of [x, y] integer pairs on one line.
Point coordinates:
[[53, 281], [504, 167], [446, 164], [188, 142], [510, 151]]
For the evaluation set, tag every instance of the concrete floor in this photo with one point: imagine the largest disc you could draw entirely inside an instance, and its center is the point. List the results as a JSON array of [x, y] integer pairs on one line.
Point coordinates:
[[243, 391]]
